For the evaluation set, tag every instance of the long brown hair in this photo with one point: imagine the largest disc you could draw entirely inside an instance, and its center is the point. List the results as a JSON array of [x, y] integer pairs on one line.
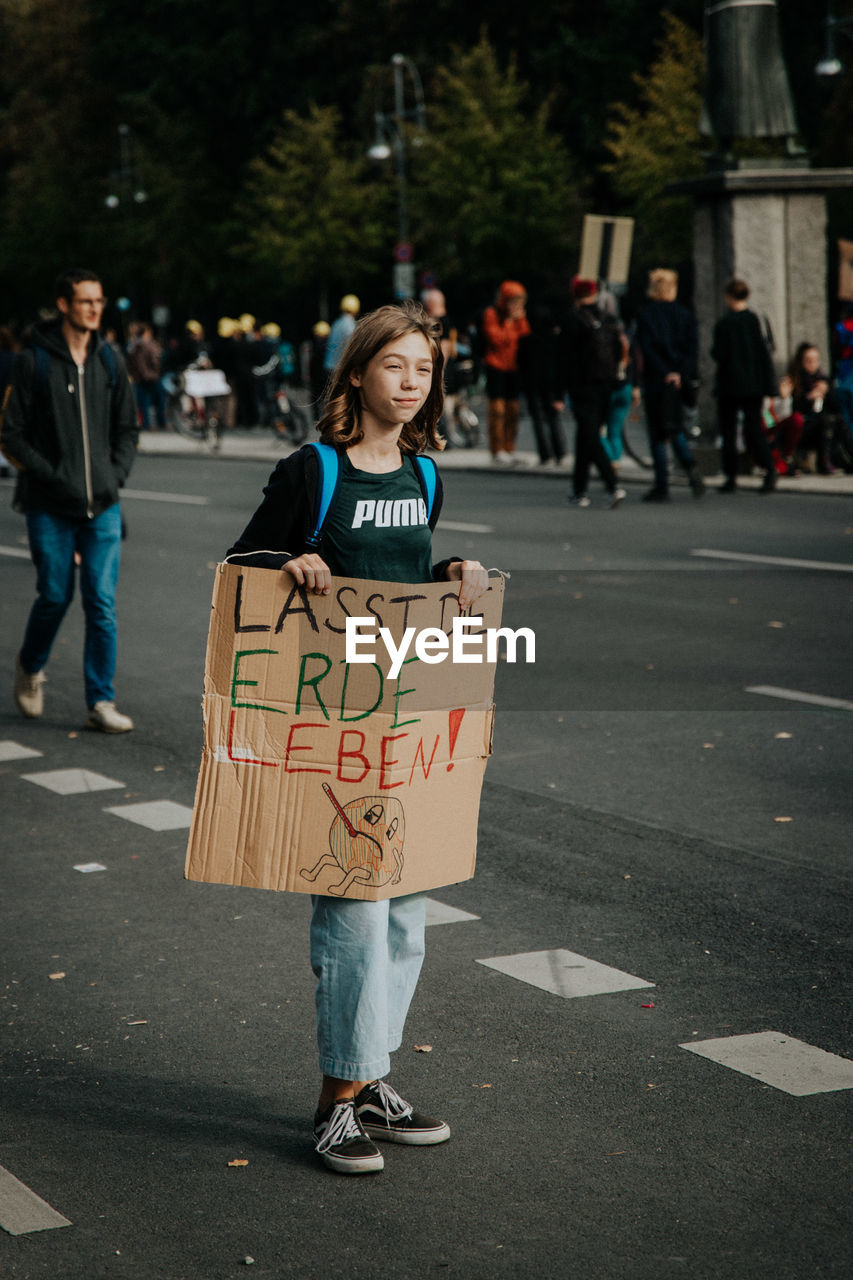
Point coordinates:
[[340, 424]]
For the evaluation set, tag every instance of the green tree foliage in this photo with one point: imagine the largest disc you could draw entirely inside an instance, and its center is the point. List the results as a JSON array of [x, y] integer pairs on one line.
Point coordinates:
[[495, 194], [310, 215], [657, 142]]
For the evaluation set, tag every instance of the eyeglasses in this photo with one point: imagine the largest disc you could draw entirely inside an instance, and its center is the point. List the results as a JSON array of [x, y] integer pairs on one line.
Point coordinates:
[[91, 302]]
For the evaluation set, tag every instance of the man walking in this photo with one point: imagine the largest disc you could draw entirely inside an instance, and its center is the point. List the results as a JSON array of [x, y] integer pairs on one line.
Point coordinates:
[[70, 428], [592, 348], [745, 375]]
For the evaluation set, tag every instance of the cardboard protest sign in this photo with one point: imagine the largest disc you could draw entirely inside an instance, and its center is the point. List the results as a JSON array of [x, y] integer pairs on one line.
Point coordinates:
[[320, 775]]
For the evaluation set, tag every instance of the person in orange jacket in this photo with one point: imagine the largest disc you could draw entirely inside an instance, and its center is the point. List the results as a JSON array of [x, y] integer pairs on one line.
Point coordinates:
[[504, 325]]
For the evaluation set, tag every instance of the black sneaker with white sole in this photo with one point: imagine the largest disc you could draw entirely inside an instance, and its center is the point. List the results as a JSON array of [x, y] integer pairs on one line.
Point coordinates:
[[341, 1142], [388, 1118]]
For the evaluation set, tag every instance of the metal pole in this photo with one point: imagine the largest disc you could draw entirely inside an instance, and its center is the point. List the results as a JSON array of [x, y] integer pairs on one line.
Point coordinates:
[[400, 148]]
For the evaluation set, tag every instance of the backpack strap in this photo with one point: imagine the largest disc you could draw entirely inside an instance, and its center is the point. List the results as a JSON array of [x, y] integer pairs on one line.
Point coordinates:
[[42, 374], [329, 479], [108, 359], [428, 476]]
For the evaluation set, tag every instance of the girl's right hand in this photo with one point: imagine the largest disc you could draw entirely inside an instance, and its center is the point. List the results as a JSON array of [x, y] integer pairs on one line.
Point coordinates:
[[311, 571]]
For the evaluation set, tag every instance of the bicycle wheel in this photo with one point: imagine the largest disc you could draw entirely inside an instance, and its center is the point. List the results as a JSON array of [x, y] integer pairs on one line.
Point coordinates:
[[189, 418]]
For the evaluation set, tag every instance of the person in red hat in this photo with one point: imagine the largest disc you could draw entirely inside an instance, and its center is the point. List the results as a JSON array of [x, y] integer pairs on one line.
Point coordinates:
[[592, 350], [504, 325]]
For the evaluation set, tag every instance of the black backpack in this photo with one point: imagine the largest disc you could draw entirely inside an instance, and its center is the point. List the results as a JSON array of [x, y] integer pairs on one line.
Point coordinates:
[[601, 346]]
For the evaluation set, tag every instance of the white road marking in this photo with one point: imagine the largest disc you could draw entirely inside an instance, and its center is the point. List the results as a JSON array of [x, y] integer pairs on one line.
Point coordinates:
[[456, 526], [794, 695], [565, 973], [779, 1060], [72, 782], [18, 552], [149, 495], [21, 1210], [10, 750], [441, 913], [156, 815], [785, 562]]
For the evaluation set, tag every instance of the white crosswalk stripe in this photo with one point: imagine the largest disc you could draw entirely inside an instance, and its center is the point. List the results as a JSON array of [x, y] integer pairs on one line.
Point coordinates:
[[10, 750], [156, 815], [22, 1211], [565, 973], [779, 1060], [72, 782]]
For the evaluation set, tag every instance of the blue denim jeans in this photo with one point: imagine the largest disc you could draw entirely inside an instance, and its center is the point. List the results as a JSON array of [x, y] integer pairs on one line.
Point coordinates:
[[366, 957], [53, 541]]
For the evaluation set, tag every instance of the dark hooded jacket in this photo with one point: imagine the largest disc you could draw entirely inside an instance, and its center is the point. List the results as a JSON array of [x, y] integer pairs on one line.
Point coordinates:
[[73, 440]]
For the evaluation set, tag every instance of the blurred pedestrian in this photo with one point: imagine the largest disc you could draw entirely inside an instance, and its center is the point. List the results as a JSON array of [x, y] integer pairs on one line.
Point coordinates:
[[144, 363], [70, 427], [591, 348], [538, 356], [317, 376], [668, 340], [341, 331], [504, 325], [8, 349], [745, 376]]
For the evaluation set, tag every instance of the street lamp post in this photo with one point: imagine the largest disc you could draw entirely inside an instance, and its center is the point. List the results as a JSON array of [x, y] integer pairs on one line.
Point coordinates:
[[830, 64], [123, 196], [392, 127]]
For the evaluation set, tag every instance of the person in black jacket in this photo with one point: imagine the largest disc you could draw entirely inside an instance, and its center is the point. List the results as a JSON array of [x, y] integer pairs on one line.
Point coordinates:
[[668, 342], [383, 406], [70, 428], [591, 348], [745, 375]]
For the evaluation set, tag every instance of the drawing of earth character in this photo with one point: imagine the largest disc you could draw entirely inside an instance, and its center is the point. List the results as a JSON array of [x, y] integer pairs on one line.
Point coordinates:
[[366, 841]]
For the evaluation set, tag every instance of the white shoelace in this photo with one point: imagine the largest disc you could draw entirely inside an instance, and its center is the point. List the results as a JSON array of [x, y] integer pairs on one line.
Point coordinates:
[[394, 1106], [342, 1125]]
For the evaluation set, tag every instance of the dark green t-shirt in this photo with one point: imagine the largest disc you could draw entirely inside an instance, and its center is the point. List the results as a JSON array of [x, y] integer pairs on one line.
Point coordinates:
[[378, 526]]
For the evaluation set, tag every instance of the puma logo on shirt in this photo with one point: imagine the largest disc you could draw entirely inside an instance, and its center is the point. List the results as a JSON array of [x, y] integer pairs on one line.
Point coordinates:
[[389, 513]]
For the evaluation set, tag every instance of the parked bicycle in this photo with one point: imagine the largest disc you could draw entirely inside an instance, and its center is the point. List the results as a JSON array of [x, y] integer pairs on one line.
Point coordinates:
[[195, 404]]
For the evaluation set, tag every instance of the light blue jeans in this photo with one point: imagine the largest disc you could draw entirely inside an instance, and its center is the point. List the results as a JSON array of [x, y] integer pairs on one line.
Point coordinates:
[[366, 957], [53, 541]]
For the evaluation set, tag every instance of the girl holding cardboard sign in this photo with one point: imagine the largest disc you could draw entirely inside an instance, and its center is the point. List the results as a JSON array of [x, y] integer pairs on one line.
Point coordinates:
[[383, 406]]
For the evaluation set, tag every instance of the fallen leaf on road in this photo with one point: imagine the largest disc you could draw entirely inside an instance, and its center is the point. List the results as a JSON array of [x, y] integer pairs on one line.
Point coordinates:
[[708, 746], [626, 877], [54, 976], [481, 1086], [783, 819], [158, 768], [615, 1153], [423, 1048], [237, 1164], [775, 624], [784, 735], [73, 734], [733, 600]]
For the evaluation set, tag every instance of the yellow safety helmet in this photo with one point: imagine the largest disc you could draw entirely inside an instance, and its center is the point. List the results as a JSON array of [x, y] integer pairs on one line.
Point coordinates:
[[195, 328], [246, 322], [350, 303], [271, 330], [226, 327], [322, 329]]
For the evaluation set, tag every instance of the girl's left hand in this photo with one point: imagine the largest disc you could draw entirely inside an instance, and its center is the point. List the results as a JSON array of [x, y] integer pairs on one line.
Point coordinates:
[[474, 580]]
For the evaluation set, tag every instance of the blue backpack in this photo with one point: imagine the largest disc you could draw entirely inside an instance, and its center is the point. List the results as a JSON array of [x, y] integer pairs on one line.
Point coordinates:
[[329, 461]]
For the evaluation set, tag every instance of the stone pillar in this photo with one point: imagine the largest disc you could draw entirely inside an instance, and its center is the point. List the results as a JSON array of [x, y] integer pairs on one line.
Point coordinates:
[[768, 226]]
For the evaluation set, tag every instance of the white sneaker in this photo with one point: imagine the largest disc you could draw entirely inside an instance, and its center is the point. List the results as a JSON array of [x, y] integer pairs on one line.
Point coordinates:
[[27, 692], [502, 458], [580, 500], [617, 496], [104, 716]]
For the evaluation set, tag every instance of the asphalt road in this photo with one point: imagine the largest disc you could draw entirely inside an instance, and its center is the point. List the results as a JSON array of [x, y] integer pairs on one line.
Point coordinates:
[[630, 817]]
